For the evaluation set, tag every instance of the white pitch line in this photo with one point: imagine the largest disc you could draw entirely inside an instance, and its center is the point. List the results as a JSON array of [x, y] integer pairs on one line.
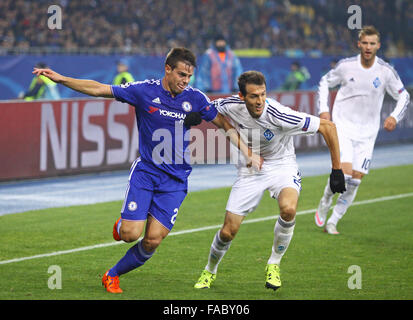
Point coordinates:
[[113, 243]]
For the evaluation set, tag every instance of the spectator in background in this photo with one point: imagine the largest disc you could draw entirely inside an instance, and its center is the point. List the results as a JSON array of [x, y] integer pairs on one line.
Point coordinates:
[[42, 87], [219, 68], [123, 75], [281, 25], [296, 77]]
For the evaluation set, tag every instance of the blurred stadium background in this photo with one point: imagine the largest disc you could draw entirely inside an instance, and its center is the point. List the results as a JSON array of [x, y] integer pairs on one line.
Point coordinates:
[[78, 134], [267, 35]]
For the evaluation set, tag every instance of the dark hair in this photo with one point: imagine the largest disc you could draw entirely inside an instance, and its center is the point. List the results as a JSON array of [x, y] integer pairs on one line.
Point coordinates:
[[219, 36], [176, 55], [250, 77], [41, 65]]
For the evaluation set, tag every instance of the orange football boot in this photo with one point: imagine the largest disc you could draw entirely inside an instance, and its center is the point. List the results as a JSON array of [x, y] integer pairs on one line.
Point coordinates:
[[115, 233], [111, 283]]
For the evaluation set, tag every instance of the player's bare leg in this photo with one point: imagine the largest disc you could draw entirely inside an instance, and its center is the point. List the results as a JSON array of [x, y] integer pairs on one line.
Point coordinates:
[[232, 223], [131, 230], [154, 234], [128, 230]]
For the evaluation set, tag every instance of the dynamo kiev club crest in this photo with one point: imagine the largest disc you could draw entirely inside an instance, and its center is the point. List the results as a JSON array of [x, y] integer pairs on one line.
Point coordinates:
[[376, 82], [186, 106]]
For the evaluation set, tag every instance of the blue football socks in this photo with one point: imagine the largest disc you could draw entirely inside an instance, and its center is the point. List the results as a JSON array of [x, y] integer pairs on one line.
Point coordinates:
[[134, 258]]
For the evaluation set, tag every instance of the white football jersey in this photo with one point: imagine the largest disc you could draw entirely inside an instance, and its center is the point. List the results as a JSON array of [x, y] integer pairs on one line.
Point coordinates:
[[270, 135], [357, 106]]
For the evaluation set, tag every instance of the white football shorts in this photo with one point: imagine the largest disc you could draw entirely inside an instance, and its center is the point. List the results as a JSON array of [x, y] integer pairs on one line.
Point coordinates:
[[358, 153], [247, 190]]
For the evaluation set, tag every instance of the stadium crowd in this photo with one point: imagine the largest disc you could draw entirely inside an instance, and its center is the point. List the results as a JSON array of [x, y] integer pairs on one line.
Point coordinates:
[[290, 27]]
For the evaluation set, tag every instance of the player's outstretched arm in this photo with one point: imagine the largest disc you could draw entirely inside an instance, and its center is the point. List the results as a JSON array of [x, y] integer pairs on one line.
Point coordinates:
[[254, 160], [89, 87], [329, 132]]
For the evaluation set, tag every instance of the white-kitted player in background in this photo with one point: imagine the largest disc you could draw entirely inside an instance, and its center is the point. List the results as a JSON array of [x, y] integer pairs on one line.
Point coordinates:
[[269, 128], [363, 79]]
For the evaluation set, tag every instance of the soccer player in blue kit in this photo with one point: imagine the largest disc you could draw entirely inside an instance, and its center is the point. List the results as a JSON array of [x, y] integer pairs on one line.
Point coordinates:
[[158, 180]]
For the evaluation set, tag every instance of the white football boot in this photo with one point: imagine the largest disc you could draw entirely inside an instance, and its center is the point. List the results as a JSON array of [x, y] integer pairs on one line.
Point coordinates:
[[320, 216], [331, 229]]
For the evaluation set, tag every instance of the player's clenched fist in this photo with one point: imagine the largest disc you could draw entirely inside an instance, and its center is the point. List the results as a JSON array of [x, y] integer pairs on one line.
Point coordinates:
[[337, 182], [255, 161]]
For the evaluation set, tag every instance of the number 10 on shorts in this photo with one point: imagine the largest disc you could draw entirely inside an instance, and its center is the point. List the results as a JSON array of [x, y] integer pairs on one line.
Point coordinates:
[[366, 164]]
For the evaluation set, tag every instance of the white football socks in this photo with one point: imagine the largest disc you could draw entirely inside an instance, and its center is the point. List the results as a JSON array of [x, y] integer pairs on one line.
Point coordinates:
[[344, 201], [328, 194], [217, 252], [283, 233], [118, 226]]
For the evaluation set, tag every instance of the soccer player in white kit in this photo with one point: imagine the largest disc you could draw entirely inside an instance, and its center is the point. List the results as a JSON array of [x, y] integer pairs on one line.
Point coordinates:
[[269, 128], [363, 80]]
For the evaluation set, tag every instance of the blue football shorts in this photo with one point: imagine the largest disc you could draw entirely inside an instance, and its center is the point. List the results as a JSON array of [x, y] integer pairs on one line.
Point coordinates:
[[152, 191]]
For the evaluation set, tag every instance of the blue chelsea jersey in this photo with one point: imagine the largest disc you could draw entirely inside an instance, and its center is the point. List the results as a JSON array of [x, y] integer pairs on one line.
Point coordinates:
[[159, 116]]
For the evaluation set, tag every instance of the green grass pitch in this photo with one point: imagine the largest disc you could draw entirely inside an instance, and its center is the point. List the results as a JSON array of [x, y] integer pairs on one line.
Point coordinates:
[[375, 236]]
